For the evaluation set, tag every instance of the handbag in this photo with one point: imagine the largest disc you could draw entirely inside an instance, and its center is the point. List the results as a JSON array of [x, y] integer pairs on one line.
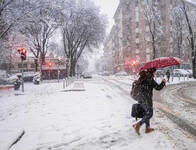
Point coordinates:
[[137, 111]]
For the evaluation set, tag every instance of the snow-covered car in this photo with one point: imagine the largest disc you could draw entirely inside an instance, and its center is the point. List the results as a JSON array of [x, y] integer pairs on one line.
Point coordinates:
[[159, 73], [180, 73], [28, 76], [190, 73], [12, 79], [86, 75], [3, 81], [121, 73], [37, 78], [105, 73]]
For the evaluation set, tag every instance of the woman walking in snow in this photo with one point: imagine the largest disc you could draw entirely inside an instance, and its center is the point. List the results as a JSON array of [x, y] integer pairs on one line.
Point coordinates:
[[147, 85]]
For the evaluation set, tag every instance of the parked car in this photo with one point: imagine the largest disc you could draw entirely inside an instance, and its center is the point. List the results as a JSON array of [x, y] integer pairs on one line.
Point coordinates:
[[105, 73], [12, 79], [37, 78], [86, 75], [159, 73], [180, 73], [190, 73], [3, 81], [121, 73], [28, 76]]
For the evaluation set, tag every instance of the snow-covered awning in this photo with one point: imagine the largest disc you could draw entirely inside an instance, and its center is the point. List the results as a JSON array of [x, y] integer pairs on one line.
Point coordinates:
[[46, 67]]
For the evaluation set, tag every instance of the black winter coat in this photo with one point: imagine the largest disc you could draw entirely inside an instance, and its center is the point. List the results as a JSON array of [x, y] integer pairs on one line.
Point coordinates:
[[147, 87]]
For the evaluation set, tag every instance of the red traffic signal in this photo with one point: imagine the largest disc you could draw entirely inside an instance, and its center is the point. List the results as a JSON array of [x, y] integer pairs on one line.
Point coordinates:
[[22, 53], [133, 63], [49, 64]]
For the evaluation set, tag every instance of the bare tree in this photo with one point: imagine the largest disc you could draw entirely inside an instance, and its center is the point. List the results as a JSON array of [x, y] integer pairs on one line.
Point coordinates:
[[82, 26], [153, 21], [38, 30], [178, 29], [13, 14], [191, 24]]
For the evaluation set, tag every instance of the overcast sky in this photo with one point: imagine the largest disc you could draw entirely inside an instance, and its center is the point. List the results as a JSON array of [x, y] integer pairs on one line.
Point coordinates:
[[108, 7]]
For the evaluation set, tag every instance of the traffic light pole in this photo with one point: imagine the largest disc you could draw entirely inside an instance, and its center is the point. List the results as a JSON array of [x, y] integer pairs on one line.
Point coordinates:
[[49, 73], [58, 72], [22, 78]]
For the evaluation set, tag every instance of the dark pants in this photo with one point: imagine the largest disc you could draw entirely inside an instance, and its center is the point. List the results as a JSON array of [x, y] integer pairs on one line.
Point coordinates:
[[148, 114], [168, 78]]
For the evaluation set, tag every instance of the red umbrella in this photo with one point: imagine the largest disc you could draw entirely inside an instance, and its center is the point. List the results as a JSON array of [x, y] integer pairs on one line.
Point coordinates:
[[161, 63]]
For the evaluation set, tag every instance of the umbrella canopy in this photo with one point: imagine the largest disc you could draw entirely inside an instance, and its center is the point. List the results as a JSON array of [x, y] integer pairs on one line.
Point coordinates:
[[161, 63]]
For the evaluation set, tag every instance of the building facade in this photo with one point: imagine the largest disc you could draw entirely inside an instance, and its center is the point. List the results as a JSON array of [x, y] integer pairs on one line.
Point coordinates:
[[130, 39], [51, 70]]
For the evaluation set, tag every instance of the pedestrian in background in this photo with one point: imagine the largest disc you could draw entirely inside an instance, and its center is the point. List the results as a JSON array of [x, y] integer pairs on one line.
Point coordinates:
[[168, 75], [147, 87]]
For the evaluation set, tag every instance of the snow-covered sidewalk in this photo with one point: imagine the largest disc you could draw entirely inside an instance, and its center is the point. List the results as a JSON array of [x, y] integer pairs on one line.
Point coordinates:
[[97, 118]]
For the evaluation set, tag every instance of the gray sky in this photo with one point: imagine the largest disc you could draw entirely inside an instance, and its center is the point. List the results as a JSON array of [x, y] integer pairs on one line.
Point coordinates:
[[107, 7]]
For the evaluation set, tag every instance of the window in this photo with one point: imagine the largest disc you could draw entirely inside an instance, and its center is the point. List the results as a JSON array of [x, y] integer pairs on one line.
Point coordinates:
[[32, 65], [137, 57], [137, 14], [147, 50], [137, 40], [20, 66], [148, 38], [136, 2], [148, 43], [24, 65], [137, 35], [170, 22], [127, 8], [137, 24], [136, 9], [147, 57], [137, 45]]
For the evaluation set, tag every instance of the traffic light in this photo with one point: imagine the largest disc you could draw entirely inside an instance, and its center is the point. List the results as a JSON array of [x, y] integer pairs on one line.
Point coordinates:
[[133, 63], [49, 64], [22, 53]]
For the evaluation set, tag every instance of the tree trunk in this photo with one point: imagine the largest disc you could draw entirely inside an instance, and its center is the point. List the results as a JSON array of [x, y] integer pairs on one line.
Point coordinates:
[[153, 42], [42, 58], [36, 64], [72, 69], [179, 43], [194, 67]]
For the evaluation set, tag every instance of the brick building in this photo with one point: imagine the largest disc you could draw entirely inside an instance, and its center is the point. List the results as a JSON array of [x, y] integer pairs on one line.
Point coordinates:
[[130, 38]]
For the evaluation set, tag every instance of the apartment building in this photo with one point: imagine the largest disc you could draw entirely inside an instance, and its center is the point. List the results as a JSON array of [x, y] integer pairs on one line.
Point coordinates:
[[130, 38]]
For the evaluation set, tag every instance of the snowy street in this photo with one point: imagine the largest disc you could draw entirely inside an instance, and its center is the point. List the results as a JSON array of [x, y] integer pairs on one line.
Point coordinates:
[[97, 118]]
